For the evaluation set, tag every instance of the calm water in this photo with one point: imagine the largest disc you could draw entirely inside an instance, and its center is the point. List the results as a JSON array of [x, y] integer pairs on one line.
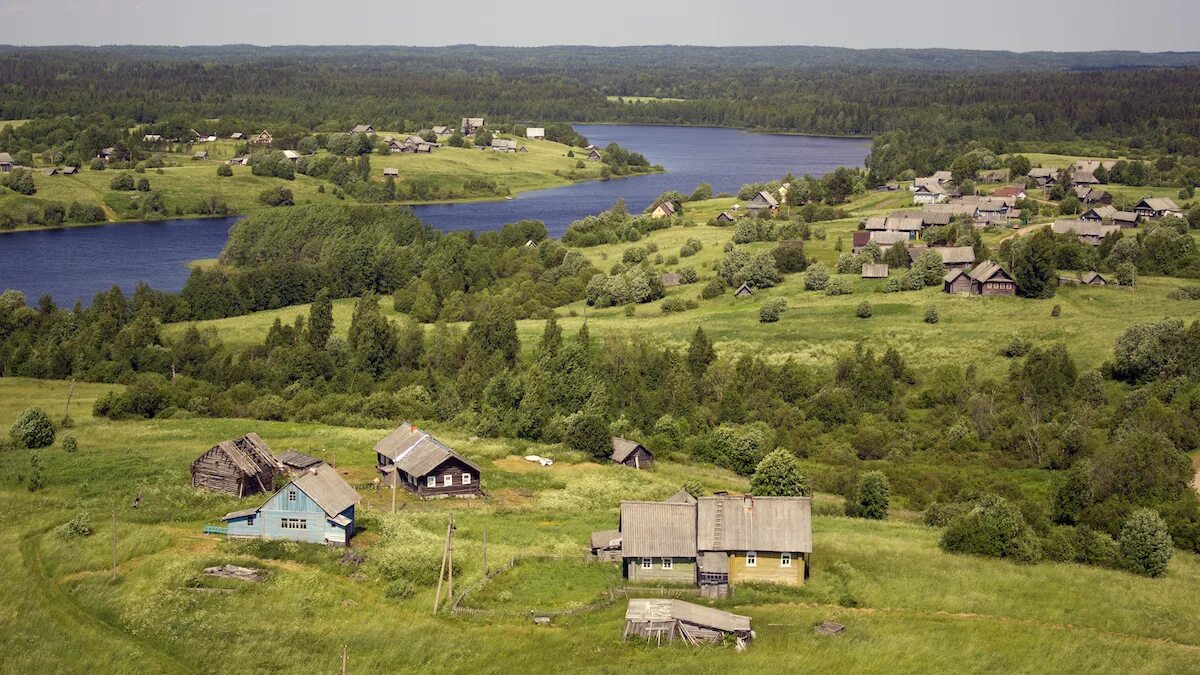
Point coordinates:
[[75, 264]]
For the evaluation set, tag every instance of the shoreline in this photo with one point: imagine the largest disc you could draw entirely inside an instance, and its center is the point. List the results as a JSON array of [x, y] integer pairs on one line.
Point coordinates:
[[748, 130]]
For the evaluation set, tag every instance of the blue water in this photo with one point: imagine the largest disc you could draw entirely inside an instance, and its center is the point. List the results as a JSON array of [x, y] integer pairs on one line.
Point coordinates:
[[75, 264]]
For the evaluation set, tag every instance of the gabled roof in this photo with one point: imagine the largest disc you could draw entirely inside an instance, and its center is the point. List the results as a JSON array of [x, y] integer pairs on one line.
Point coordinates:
[[681, 497], [744, 289], [1084, 177], [324, 486], [1159, 204], [1101, 212], [416, 452], [1089, 277], [606, 539], [654, 529], [1042, 173], [953, 274], [5, 158], [888, 237], [754, 524], [986, 270], [661, 610], [951, 255], [1082, 228], [1124, 216], [667, 206], [248, 453], [291, 154], [362, 129], [622, 448], [1008, 191], [764, 197]]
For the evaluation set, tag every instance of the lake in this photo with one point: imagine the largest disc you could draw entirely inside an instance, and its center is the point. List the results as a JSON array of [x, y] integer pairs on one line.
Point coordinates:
[[74, 264]]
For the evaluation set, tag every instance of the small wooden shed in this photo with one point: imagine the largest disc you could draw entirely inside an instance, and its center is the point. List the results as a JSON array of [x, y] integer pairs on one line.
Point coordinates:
[[875, 271], [242, 466], [743, 291], [658, 618], [606, 545], [297, 462], [631, 453]]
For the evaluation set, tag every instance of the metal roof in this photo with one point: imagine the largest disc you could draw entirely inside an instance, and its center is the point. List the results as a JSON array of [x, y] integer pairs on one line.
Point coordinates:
[[681, 497], [324, 486], [298, 460], [416, 452], [659, 610], [650, 529], [606, 539], [754, 524]]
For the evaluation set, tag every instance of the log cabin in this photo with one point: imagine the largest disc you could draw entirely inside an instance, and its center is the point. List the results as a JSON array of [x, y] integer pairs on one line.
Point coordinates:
[[423, 464], [631, 453], [240, 467]]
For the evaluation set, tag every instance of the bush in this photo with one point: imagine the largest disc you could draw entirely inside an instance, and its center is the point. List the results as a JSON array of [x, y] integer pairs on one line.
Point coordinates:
[[75, 528], [1145, 543], [838, 286], [33, 429], [778, 475], [871, 497], [687, 275], [1126, 274], [69, 443], [122, 181], [939, 514], [864, 310], [401, 589], [1185, 293], [996, 528], [1056, 311], [816, 278], [675, 304], [588, 432], [276, 196], [713, 289], [224, 170], [1017, 346], [690, 248], [931, 314], [771, 309]]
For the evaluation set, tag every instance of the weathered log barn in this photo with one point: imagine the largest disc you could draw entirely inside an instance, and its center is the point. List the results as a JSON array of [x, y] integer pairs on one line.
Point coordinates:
[[242, 466], [631, 453], [659, 618]]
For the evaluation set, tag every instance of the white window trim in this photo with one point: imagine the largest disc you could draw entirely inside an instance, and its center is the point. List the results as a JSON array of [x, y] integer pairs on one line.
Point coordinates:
[[466, 478], [751, 559], [647, 563], [431, 481], [448, 480], [668, 563], [785, 559], [292, 496]]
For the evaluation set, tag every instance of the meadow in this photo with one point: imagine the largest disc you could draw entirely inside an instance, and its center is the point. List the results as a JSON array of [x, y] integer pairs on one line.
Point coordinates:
[[908, 606]]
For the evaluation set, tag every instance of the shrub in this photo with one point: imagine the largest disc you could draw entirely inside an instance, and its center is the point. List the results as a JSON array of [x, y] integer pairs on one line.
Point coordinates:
[[816, 278], [1145, 543], [713, 289], [931, 314], [1056, 311], [690, 248], [224, 170], [587, 432], [996, 528], [778, 475], [1017, 346], [69, 443], [1185, 293], [122, 181], [838, 286], [634, 254], [871, 497], [276, 196], [864, 310], [675, 304], [771, 309], [33, 429], [687, 275], [75, 528], [1126, 274], [939, 514]]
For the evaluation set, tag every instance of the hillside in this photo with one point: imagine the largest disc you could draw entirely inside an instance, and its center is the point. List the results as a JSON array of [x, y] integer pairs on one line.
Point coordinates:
[[908, 606]]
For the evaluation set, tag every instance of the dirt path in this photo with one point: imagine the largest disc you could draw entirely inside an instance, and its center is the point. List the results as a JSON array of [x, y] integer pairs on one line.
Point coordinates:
[[108, 212]]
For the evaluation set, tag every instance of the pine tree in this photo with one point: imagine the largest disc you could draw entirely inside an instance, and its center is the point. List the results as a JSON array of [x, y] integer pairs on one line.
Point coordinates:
[[320, 320], [700, 353]]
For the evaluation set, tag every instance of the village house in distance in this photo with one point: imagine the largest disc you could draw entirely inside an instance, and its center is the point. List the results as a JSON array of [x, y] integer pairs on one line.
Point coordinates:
[[426, 466], [316, 507], [631, 453], [239, 467]]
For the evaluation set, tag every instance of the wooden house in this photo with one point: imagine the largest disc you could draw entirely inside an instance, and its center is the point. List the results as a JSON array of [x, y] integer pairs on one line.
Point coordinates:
[[988, 278], [1095, 196], [366, 129], [1010, 192], [237, 136], [594, 155], [505, 145], [1087, 232], [631, 453], [296, 463], [470, 125], [1157, 207], [152, 138], [50, 171], [441, 130], [606, 545], [1084, 179], [291, 156], [957, 281], [70, 170], [762, 200], [1093, 165], [263, 138], [743, 291], [1093, 278], [242, 466], [875, 271], [762, 538], [1045, 178], [423, 464], [6, 162], [953, 257], [316, 507], [658, 541], [994, 176], [665, 209], [670, 619], [203, 154], [929, 193], [725, 218], [391, 171], [1099, 214]]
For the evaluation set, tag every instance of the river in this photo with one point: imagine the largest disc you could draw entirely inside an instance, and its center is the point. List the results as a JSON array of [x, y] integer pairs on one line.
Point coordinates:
[[76, 263]]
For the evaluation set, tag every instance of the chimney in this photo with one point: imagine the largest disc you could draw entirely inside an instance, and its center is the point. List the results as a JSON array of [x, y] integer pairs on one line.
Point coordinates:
[[412, 428]]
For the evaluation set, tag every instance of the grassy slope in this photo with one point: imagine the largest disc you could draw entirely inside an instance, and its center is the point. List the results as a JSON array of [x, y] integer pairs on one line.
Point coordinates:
[[920, 610], [182, 185]]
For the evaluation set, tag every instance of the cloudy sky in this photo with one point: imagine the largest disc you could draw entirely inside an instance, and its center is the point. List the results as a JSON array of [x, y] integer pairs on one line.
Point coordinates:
[[1018, 25]]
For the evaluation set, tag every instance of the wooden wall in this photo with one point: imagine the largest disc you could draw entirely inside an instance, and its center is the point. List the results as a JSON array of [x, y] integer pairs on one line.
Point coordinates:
[[767, 569], [683, 570]]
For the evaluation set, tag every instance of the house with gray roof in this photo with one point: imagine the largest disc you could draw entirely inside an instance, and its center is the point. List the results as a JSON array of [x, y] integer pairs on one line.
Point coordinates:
[[658, 541], [470, 125], [363, 129], [6, 162], [762, 200], [297, 462], [239, 467], [316, 507], [415, 459], [1157, 207], [1088, 232], [631, 453]]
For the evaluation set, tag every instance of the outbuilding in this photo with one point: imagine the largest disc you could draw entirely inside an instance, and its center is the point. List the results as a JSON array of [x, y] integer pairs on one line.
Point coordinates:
[[297, 462], [240, 467], [631, 453], [670, 619], [606, 545]]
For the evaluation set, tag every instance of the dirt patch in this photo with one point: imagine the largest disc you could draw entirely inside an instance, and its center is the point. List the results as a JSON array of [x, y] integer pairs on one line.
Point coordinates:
[[515, 464]]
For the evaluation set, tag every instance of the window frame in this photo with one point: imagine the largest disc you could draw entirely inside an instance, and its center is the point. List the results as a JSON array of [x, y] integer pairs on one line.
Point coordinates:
[[751, 558], [668, 563], [448, 480], [785, 559], [292, 496], [431, 481], [250, 521], [466, 478], [647, 563]]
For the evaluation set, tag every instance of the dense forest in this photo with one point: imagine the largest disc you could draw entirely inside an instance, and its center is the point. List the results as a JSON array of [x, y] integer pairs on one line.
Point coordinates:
[[925, 108]]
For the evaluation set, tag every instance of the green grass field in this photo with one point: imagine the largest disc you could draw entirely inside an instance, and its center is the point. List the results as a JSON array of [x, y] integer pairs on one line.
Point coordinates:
[[642, 99], [915, 608]]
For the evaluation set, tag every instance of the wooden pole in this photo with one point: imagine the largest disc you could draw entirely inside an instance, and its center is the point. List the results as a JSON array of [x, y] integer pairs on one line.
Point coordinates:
[[344, 659], [450, 586], [442, 572], [114, 532], [485, 569], [67, 409], [394, 473]]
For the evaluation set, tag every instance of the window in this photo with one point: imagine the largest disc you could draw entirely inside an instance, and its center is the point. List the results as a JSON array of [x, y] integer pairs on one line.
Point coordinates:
[[647, 563], [447, 480], [250, 521], [667, 563], [431, 481], [466, 479], [291, 495], [751, 559], [785, 559], [293, 524]]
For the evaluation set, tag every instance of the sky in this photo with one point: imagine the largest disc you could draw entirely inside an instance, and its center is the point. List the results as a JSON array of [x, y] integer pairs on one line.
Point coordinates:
[[1016, 25]]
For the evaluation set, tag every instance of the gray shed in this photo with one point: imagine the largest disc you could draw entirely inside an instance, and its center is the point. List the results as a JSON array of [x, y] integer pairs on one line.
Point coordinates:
[[658, 618]]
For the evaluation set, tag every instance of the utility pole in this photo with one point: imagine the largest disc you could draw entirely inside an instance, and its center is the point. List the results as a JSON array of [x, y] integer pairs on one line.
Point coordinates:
[[344, 659], [394, 490], [67, 409], [437, 598], [485, 569], [450, 587], [114, 532]]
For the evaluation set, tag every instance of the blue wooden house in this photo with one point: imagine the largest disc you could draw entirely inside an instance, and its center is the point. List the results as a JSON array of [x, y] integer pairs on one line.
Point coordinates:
[[317, 507]]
